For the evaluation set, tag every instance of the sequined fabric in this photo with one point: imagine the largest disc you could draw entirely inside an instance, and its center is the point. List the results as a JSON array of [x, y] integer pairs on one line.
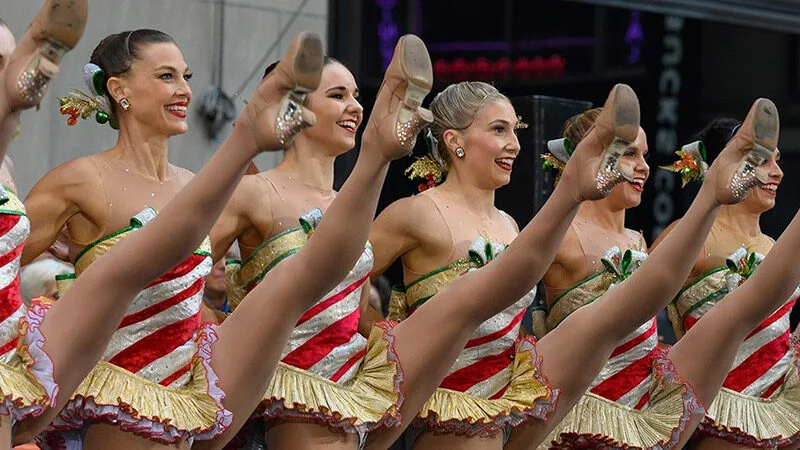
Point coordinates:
[[26, 372], [328, 373], [596, 421], [627, 376], [637, 400], [154, 379], [496, 380], [759, 403]]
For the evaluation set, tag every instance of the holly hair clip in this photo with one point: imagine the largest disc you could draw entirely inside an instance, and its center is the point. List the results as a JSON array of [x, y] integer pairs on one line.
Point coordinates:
[[80, 104], [556, 158], [692, 166], [430, 167]]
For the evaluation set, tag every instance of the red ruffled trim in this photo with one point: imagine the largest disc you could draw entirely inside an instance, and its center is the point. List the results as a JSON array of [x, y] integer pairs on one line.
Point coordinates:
[[663, 368], [275, 408], [81, 411], [497, 424], [734, 435], [40, 365]]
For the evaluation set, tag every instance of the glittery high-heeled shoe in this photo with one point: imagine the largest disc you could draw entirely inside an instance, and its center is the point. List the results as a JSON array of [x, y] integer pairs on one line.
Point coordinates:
[[275, 113], [54, 31], [618, 125], [397, 116], [758, 137], [613, 131]]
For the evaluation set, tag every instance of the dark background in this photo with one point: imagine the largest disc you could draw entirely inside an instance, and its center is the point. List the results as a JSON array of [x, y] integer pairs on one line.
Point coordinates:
[[688, 66]]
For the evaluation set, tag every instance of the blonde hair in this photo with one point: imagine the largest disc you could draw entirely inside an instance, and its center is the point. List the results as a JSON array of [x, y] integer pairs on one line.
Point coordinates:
[[456, 107], [576, 127]]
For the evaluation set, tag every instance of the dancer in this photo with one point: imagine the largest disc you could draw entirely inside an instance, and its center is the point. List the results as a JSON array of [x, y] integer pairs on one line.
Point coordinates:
[[441, 234], [626, 406], [25, 72], [331, 385], [626, 402], [233, 380], [759, 403], [569, 364]]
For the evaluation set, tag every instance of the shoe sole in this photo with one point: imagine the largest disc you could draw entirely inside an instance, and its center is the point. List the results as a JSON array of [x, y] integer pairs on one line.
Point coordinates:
[[308, 62], [417, 69], [625, 106]]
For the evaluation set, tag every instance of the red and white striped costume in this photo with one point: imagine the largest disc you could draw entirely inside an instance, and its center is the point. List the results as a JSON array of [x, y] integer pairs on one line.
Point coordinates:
[[14, 229], [326, 365], [763, 381], [154, 378], [627, 376], [480, 394], [637, 400], [26, 372]]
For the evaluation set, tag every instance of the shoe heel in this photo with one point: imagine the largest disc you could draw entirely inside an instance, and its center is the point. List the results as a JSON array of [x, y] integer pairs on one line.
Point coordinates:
[[411, 102]]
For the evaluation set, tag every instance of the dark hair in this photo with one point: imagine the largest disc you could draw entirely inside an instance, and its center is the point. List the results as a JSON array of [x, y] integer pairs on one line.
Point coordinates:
[[115, 53], [716, 135], [3, 23], [325, 61]]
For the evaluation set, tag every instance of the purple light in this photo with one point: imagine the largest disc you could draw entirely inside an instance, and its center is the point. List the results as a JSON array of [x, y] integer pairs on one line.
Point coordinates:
[[634, 37], [388, 32], [503, 46]]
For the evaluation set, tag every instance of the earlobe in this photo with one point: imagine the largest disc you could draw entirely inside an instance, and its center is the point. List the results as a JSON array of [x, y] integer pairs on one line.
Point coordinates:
[[115, 88], [452, 140]]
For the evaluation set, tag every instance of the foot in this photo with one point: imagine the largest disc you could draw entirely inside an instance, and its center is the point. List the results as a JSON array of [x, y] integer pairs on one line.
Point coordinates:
[[275, 113], [738, 168], [34, 63], [397, 116], [594, 165]]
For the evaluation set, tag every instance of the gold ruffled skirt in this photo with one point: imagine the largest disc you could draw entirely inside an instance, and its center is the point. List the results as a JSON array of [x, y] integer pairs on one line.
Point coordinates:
[[136, 405], [371, 399], [758, 422], [597, 422], [528, 396]]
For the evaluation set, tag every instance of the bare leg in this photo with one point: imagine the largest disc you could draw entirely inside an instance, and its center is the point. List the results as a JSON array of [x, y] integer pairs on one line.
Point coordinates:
[[715, 444], [571, 364], [100, 298], [430, 441], [251, 339], [704, 356], [290, 434], [5, 429], [98, 436]]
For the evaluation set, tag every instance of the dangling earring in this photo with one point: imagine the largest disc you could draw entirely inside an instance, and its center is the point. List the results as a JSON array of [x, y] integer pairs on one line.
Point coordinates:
[[124, 103], [459, 152]]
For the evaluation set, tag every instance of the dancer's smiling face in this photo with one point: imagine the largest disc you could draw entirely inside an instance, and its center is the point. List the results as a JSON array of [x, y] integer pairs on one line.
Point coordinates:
[[157, 87]]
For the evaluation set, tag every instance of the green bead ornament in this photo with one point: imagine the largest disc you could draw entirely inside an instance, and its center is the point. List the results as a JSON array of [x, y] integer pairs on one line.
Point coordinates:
[[101, 117]]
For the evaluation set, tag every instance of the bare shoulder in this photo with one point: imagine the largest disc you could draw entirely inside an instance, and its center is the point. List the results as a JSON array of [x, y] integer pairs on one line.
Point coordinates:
[[510, 219], [636, 237], [409, 214], [250, 192], [77, 173], [183, 175]]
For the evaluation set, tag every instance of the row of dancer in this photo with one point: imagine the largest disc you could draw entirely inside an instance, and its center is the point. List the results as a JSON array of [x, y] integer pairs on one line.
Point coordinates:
[[122, 357]]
